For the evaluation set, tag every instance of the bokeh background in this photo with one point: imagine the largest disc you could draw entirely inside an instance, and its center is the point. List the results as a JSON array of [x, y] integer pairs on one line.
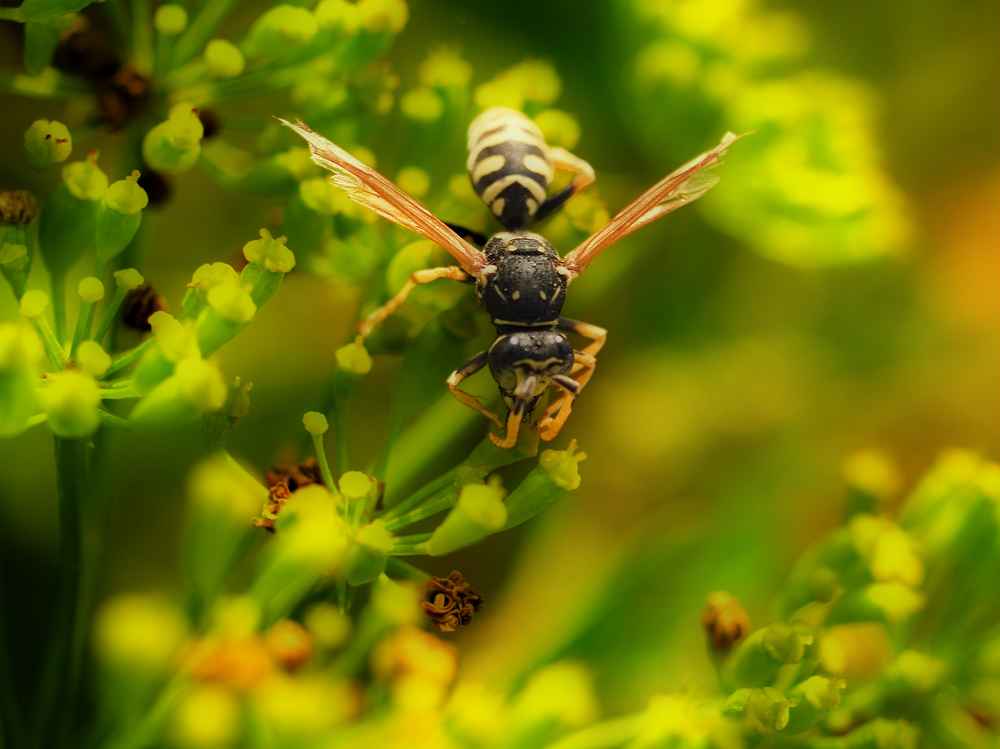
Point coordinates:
[[838, 292]]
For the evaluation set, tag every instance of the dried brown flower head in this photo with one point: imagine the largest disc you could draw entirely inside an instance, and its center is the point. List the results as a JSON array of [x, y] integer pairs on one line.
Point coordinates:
[[450, 601], [138, 305], [725, 621], [283, 482], [17, 207]]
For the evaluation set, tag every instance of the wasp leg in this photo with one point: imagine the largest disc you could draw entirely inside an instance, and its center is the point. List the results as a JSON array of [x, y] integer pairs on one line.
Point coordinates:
[[584, 177], [516, 415], [584, 364], [468, 369], [420, 277], [469, 235]]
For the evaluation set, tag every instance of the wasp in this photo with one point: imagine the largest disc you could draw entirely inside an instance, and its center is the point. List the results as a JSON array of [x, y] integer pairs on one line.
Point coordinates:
[[519, 277]]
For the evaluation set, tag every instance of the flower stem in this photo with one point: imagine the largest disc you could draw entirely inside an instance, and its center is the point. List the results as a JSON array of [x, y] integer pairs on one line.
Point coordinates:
[[60, 679], [129, 357]]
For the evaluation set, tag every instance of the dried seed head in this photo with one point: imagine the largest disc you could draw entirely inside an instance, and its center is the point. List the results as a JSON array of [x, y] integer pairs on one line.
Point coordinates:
[[17, 207], [283, 482], [725, 621], [140, 303], [450, 602]]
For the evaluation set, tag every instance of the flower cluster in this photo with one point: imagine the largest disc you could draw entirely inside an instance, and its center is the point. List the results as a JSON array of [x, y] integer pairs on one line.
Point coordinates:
[[66, 375], [809, 187]]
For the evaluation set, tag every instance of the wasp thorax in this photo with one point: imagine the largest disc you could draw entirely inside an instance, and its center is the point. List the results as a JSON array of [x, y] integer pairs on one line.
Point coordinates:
[[525, 284]]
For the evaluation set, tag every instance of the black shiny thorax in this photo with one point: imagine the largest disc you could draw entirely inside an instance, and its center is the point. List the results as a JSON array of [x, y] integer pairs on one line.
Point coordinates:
[[524, 285]]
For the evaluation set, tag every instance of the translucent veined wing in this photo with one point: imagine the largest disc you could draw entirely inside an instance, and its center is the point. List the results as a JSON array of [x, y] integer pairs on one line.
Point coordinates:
[[677, 189], [367, 187]]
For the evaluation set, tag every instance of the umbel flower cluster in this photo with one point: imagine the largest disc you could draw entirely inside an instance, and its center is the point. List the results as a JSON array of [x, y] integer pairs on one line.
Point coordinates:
[[879, 641]]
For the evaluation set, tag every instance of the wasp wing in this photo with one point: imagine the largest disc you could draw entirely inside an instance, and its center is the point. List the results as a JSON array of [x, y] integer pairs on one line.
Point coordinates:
[[677, 189], [367, 187]]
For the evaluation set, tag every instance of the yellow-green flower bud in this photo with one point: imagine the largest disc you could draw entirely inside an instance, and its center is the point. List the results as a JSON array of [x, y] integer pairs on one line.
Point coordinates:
[[321, 196], [559, 128], [232, 302], [207, 717], [445, 68], [47, 142], [354, 359], [93, 359], [758, 659], [126, 196], [395, 604], [357, 486], [90, 289], [221, 483], [537, 80], [414, 181], [811, 700], [210, 275], [223, 59], [20, 353], [338, 15], [889, 603], [84, 179], [128, 279], [170, 20], [270, 252], [201, 384], [174, 145], [328, 625], [312, 542], [173, 337], [556, 473], [383, 16], [315, 423], [279, 30], [479, 512], [34, 303], [888, 550], [71, 400], [422, 105], [139, 632]]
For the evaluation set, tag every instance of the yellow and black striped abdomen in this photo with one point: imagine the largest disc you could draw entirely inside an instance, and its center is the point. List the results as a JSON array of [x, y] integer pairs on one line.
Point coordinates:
[[509, 165]]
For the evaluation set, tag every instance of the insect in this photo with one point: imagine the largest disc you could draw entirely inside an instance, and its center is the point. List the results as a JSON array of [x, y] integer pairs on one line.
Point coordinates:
[[519, 277]]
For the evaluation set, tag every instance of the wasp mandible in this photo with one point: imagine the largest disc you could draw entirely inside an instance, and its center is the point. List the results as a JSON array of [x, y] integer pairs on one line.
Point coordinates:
[[519, 277]]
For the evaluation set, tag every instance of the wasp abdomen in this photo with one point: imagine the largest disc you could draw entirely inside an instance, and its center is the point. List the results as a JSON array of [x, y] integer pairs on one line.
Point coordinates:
[[508, 165]]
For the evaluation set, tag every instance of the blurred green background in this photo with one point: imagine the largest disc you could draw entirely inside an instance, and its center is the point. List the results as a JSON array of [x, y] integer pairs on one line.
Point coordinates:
[[743, 365]]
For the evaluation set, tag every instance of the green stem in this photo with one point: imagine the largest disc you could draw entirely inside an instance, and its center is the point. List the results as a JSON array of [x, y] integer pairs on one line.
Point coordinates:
[[438, 503], [324, 464], [126, 359], [398, 569], [193, 40], [11, 723], [110, 314], [53, 349], [84, 322], [12, 14], [60, 679], [427, 490], [142, 36], [58, 284]]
